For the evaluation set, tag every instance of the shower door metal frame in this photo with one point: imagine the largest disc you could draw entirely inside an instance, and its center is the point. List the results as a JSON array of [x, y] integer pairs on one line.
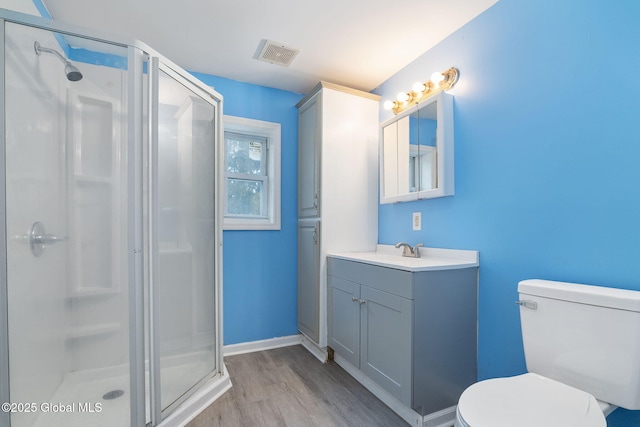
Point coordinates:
[[135, 135], [137, 51], [5, 417], [156, 65]]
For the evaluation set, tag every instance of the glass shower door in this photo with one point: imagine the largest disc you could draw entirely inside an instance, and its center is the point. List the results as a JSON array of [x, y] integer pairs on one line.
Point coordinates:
[[182, 240], [66, 217]]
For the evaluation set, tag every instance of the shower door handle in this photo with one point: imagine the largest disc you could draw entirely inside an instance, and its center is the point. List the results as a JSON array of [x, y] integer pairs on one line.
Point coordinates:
[[39, 239]]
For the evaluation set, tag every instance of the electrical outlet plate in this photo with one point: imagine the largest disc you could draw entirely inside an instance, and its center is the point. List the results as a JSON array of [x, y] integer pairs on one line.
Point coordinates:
[[417, 221]]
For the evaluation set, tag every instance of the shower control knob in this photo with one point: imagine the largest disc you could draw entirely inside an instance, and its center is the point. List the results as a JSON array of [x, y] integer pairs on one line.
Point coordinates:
[[39, 239]]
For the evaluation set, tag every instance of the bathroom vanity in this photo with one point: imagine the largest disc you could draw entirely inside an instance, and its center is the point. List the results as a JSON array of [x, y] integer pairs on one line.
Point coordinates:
[[406, 327]]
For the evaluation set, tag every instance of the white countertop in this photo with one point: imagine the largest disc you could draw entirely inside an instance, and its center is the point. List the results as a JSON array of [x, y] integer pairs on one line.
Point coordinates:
[[430, 258]]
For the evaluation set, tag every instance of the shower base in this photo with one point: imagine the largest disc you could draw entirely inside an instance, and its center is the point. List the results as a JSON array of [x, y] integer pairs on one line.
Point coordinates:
[[79, 400]]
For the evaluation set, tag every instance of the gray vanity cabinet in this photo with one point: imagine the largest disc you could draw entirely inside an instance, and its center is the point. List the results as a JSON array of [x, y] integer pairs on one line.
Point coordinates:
[[413, 333], [369, 326]]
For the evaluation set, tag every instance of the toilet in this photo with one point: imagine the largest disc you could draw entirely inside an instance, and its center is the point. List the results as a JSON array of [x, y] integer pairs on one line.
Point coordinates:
[[583, 360]]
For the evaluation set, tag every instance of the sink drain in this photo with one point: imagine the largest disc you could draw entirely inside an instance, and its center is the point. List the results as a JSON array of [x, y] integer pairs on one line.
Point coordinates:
[[113, 394]]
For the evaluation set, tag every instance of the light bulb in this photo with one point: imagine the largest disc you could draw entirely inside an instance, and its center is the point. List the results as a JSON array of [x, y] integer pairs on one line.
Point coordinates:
[[436, 78], [402, 97], [419, 87], [388, 105]]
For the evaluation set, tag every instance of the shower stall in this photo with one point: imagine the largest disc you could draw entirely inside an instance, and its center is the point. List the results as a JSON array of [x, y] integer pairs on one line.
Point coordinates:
[[110, 257]]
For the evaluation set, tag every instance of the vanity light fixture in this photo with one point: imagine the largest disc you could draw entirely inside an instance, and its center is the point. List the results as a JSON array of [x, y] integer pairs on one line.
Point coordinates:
[[421, 91]]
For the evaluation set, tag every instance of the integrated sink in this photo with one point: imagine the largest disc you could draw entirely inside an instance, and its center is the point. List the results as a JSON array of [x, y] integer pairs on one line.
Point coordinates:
[[430, 258]]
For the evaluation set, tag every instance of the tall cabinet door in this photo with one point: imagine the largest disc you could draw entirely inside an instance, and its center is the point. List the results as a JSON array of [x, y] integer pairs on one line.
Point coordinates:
[[385, 339], [309, 123], [309, 278]]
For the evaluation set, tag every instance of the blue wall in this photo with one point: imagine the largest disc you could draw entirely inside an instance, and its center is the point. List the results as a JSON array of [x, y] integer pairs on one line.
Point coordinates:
[[260, 267], [547, 157]]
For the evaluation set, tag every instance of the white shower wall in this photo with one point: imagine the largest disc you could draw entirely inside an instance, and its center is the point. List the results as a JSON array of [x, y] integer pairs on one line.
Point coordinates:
[[97, 304], [35, 188]]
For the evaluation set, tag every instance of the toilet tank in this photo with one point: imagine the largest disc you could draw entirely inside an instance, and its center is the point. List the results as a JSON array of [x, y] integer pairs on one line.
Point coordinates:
[[584, 336]]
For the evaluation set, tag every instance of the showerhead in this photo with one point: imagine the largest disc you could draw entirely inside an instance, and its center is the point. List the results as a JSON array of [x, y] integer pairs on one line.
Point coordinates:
[[72, 72]]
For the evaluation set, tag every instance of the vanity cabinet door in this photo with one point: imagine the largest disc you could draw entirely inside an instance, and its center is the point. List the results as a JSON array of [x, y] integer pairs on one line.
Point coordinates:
[[385, 341], [344, 318], [309, 278]]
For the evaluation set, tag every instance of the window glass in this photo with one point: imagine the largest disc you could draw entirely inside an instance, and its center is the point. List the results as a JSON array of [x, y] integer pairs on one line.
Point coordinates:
[[245, 197], [245, 153], [251, 174], [246, 174]]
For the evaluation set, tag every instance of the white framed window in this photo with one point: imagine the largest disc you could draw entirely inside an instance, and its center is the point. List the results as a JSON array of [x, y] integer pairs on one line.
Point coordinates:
[[251, 174]]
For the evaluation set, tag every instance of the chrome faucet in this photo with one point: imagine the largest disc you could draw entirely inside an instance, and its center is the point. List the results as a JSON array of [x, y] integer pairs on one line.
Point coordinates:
[[408, 251]]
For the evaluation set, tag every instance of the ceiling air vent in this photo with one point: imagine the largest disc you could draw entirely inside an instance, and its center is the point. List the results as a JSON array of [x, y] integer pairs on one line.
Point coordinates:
[[277, 53]]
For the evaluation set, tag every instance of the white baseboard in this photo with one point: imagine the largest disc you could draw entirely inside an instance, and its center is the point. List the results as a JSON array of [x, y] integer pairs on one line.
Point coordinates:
[[444, 418], [268, 344], [319, 352], [271, 343]]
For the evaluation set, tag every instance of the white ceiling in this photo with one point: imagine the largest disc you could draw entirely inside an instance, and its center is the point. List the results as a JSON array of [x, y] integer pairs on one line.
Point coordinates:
[[359, 44]]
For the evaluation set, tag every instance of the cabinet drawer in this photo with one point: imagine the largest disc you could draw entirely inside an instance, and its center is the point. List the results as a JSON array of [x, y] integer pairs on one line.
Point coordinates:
[[396, 282]]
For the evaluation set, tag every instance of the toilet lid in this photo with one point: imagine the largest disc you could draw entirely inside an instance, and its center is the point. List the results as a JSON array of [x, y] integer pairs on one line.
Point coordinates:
[[528, 400]]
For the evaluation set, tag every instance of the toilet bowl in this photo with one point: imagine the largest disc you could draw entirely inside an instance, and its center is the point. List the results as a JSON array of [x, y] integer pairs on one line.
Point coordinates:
[[578, 354], [527, 400]]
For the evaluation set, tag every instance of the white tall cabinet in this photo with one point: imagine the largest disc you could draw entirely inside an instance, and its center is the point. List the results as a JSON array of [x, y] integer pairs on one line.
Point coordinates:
[[337, 192]]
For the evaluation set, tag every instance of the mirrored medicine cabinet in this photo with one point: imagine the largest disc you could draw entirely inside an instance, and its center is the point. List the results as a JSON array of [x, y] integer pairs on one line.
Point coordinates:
[[416, 152]]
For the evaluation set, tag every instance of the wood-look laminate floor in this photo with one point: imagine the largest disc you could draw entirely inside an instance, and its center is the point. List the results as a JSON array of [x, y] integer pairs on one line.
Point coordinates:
[[289, 387]]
